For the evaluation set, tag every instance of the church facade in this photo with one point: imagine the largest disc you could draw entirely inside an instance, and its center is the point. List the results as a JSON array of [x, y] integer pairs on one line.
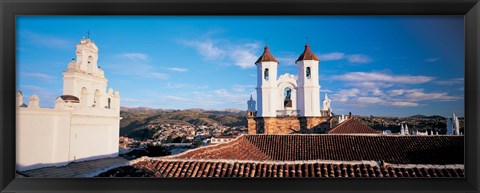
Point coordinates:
[[288, 104], [83, 125]]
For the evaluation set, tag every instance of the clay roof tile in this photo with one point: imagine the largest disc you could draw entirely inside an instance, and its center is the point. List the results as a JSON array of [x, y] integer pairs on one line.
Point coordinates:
[[266, 56], [307, 55]]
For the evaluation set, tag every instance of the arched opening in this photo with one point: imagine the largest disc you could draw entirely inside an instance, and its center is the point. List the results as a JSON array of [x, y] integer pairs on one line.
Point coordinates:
[[90, 63], [83, 98], [96, 98], [308, 72], [287, 95], [265, 74], [109, 101]]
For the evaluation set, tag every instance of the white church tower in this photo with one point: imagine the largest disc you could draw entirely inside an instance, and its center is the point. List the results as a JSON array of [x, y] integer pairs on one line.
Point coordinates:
[[453, 125], [251, 104], [83, 125], [84, 79], [266, 84], [308, 86]]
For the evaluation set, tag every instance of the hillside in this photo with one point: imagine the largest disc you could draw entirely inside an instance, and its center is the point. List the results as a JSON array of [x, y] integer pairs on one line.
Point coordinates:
[[138, 120]]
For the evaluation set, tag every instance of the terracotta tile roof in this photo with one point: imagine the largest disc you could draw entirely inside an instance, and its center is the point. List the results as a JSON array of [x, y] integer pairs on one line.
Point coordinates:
[[390, 148], [351, 126], [266, 56], [307, 55], [235, 149], [322, 169]]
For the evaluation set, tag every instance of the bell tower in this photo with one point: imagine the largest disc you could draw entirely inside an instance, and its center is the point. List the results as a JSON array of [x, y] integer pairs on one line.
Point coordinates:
[[266, 84], [83, 78], [308, 86]]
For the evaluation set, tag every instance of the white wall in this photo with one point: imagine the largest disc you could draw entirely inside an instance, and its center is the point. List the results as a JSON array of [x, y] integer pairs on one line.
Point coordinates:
[[55, 137], [42, 138]]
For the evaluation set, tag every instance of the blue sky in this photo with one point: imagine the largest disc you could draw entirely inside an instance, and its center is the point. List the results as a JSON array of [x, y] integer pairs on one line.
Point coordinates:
[[370, 65]]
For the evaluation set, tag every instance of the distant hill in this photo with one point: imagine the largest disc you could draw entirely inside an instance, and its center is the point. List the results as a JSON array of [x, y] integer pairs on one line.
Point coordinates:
[[138, 119], [427, 117]]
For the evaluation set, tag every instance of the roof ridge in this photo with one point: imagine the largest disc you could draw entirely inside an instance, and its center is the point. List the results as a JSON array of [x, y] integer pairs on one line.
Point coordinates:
[[307, 54], [342, 123], [266, 56]]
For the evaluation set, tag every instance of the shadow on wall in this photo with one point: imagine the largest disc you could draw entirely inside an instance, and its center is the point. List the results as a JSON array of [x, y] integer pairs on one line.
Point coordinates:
[[21, 167]]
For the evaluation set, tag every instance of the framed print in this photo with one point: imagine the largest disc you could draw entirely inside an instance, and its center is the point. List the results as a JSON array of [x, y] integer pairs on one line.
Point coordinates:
[[260, 96]]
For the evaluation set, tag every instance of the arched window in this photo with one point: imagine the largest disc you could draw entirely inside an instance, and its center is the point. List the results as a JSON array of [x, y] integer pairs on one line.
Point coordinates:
[[109, 101], [83, 99], [90, 59], [265, 74], [308, 72], [287, 94], [96, 98], [90, 63]]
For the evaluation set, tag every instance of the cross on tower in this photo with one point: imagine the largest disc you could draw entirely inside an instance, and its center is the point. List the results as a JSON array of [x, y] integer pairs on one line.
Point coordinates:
[[266, 41], [306, 39], [88, 34]]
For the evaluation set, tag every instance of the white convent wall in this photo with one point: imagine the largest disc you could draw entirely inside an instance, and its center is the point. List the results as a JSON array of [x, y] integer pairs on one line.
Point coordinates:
[[51, 137], [95, 134], [42, 138]]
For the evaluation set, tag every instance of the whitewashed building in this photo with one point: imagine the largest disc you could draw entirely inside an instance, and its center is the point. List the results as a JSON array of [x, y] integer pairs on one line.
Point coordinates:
[[83, 125], [288, 103]]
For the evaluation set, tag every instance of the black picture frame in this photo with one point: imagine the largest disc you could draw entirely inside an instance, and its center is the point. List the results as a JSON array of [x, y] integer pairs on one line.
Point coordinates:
[[9, 9]]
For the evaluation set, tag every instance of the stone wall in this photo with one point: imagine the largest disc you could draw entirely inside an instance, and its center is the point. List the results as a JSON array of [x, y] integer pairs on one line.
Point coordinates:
[[287, 125]]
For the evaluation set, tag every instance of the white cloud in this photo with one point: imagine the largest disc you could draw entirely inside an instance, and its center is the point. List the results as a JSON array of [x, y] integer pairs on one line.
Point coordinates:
[[420, 95], [377, 92], [382, 77], [176, 98], [174, 85], [155, 75], [45, 40], [369, 85], [396, 92], [331, 56], [431, 59], [39, 76], [206, 48], [352, 58], [177, 85], [134, 56], [243, 55], [450, 82], [178, 69], [370, 100], [344, 94], [359, 58], [404, 104], [137, 67]]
